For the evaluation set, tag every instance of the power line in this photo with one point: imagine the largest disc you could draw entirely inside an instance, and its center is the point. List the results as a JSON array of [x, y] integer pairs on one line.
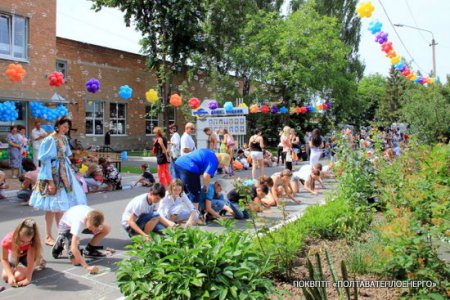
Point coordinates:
[[414, 20], [401, 41]]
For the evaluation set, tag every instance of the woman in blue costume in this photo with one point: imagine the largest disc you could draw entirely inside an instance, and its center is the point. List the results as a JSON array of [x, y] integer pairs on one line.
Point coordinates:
[[57, 188]]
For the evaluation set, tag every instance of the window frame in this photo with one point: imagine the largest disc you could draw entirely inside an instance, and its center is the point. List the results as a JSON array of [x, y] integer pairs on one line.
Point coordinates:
[[65, 67], [149, 119], [94, 118], [10, 56], [111, 119]]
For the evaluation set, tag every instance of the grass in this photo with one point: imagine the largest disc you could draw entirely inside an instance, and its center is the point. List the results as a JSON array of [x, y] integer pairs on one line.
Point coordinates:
[[136, 170], [145, 153]]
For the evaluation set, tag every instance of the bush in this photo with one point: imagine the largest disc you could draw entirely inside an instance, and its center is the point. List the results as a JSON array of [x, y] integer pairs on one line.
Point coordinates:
[[194, 264]]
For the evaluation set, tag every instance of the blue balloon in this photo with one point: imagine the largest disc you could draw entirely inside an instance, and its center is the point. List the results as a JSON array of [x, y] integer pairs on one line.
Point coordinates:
[[125, 92], [228, 106], [284, 110], [375, 26]]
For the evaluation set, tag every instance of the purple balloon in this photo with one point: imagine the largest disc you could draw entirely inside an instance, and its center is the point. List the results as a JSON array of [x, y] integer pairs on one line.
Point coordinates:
[[274, 109], [381, 37], [92, 85], [213, 104]]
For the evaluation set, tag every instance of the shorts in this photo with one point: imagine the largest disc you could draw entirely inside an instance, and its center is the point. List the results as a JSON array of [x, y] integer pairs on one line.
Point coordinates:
[[257, 155], [141, 221], [22, 260]]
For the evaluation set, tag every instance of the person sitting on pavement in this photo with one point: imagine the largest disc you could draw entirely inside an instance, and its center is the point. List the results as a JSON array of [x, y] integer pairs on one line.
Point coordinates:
[[112, 176], [199, 163], [21, 253], [242, 159], [141, 216], [29, 179], [176, 206], [146, 178], [215, 204], [281, 187], [75, 221], [307, 176], [3, 185], [94, 175], [269, 159]]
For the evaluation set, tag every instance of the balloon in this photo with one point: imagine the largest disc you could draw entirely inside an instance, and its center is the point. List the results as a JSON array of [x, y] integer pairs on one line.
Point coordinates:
[[365, 9], [175, 100], [303, 109], [56, 79], [265, 109], [212, 105], [391, 54], [38, 110], [386, 47], [125, 92], [284, 110], [430, 80], [406, 72], [298, 110], [152, 96], [243, 105], [375, 26], [395, 59], [92, 85], [194, 103], [8, 112], [274, 109], [83, 168], [16, 73], [418, 79], [228, 106], [399, 66], [381, 37], [254, 108]]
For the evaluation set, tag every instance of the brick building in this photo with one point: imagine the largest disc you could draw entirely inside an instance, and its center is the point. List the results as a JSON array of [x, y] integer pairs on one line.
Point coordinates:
[[28, 36]]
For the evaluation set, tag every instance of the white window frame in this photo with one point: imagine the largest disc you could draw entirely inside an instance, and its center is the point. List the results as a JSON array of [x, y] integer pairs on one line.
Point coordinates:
[[65, 71], [111, 119], [149, 118], [95, 118], [11, 21]]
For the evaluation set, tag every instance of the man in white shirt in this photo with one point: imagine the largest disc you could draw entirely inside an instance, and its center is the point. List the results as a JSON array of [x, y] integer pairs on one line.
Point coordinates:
[[140, 216], [37, 135], [187, 143], [75, 221]]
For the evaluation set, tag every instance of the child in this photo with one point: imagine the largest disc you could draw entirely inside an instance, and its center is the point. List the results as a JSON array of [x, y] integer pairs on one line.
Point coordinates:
[[215, 203], [307, 176], [281, 186], [3, 185], [146, 178], [140, 216], [22, 246], [75, 221], [176, 206]]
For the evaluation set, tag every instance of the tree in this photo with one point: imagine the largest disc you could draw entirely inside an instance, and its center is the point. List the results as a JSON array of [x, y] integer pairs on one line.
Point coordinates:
[[389, 107], [427, 113], [371, 91], [171, 31]]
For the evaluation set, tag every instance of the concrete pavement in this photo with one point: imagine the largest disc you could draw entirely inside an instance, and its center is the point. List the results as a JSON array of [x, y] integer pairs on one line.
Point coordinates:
[[60, 280]]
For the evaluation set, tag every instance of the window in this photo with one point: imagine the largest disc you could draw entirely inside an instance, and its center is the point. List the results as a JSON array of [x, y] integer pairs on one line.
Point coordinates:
[[95, 117], [171, 114], [151, 120], [13, 37], [117, 118], [61, 66]]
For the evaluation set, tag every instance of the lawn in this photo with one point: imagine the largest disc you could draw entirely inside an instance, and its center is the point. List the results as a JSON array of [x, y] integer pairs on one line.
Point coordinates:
[[135, 170]]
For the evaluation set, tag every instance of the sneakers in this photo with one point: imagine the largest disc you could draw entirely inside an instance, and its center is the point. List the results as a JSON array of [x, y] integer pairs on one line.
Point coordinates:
[[93, 251], [58, 247]]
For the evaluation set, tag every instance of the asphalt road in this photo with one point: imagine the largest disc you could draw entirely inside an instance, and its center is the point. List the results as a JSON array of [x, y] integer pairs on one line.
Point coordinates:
[[61, 280]]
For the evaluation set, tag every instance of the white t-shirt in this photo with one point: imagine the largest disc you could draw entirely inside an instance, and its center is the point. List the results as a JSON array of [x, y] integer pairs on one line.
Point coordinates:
[[170, 206], [303, 173], [186, 142], [74, 219], [175, 147], [34, 135], [138, 206]]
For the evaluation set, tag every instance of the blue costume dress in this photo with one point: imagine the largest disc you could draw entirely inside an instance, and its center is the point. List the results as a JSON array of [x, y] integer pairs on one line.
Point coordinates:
[[55, 166]]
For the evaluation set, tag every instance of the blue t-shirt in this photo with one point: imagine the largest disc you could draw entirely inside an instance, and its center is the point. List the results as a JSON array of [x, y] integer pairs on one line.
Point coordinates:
[[199, 161]]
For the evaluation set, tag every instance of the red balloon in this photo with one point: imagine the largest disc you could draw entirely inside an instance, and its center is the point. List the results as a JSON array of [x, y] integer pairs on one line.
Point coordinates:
[[407, 72], [265, 109], [386, 47], [56, 79], [303, 110], [194, 103]]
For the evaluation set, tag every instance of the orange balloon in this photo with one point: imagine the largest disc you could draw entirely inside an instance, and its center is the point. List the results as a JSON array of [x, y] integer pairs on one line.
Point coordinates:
[[175, 100], [254, 108], [16, 73]]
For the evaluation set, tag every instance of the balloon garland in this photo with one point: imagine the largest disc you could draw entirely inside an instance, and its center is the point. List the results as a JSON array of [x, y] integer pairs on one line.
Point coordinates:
[[365, 10], [38, 110], [8, 112]]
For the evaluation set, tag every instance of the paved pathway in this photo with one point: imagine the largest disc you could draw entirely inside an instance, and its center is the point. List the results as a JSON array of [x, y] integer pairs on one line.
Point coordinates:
[[60, 280]]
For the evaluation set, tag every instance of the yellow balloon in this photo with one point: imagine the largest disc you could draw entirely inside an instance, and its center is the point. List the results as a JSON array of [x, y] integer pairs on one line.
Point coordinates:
[[395, 59], [430, 80], [152, 96], [365, 9], [242, 105], [83, 168]]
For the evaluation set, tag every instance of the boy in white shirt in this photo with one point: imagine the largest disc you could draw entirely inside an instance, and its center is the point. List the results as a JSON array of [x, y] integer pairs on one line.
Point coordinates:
[[140, 216], [81, 219]]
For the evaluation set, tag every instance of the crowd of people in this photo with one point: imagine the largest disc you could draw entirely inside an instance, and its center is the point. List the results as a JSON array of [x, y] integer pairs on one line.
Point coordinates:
[[185, 194]]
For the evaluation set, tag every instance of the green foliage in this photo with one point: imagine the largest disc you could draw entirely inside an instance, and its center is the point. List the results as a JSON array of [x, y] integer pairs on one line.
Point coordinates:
[[371, 91], [428, 113], [194, 264]]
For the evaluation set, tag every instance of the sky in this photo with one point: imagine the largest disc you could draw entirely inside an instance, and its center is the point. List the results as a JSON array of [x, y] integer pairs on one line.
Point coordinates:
[[76, 21]]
